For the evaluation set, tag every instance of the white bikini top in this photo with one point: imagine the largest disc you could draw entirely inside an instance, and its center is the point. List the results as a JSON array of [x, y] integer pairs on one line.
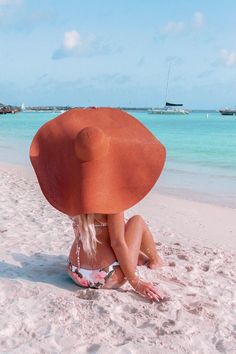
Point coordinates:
[[98, 223]]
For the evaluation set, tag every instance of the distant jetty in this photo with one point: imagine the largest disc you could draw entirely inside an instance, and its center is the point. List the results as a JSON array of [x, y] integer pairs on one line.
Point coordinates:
[[9, 109], [55, 109], [5, 109]]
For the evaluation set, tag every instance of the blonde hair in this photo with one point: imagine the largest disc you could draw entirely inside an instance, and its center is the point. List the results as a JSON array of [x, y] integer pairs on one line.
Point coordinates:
[[85, 232]]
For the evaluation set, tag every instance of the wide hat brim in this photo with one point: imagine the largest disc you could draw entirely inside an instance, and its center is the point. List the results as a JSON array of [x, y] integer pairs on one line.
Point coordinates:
[[110, 184]]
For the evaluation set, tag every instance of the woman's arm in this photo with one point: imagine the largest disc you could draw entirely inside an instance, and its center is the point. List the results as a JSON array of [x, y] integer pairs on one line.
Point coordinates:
[[116, 227]]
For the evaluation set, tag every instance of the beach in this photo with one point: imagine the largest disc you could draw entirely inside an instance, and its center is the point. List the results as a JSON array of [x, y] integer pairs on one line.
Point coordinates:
[[171, 66], [43, 311]]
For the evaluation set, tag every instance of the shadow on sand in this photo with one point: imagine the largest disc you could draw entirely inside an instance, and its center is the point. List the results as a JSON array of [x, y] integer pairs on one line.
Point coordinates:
[[39, 267], [50, 269]]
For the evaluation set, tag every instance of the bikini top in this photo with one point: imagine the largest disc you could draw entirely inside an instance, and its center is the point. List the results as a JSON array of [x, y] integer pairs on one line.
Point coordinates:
[[98, 223]]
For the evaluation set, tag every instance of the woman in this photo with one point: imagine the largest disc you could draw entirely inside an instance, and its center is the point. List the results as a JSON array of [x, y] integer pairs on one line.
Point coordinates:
[[93, 164], [100, 240]]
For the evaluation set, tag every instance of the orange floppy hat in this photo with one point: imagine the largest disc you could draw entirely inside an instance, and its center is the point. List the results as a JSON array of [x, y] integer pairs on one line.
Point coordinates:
[[95, 160]]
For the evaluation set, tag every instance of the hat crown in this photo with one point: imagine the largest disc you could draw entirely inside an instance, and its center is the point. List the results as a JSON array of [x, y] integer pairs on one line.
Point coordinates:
[[91, 143]]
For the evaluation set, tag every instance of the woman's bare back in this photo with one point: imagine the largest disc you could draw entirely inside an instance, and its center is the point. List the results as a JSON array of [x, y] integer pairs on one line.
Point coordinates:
[[104, 253]]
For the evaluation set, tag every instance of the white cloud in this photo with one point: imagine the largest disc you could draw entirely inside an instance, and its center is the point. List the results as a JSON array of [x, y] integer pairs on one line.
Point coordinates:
[[178, 27], [173, 27], [198, 19], [229, 58], [74, 45], [71, 40]]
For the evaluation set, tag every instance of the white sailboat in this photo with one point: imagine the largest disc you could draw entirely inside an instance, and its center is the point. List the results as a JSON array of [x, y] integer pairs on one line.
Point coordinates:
[[170, 108]]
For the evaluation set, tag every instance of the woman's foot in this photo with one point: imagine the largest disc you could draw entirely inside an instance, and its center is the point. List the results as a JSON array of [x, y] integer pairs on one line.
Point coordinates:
[[142, 259], [152, 264], [157, 263]]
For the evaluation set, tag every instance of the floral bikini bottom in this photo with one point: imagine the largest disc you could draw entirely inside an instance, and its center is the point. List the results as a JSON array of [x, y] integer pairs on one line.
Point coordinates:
[[91, 278]]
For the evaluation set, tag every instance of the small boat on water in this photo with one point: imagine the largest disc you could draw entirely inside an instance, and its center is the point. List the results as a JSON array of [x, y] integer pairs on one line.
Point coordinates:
[[170, 108], [227, 112]]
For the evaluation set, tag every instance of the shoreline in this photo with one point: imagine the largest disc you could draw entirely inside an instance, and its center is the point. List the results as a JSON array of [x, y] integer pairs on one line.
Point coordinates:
[[162, 188], [44, 310], [209, 223]]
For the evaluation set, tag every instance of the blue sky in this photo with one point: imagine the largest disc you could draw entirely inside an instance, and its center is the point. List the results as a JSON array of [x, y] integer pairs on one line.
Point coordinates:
[[117, 53]]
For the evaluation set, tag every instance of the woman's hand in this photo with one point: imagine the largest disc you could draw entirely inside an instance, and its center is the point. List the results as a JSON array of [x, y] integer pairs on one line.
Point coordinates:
[[147, 290]]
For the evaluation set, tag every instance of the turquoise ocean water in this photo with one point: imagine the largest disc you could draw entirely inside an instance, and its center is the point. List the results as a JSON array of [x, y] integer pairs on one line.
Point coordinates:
[[201, 151]]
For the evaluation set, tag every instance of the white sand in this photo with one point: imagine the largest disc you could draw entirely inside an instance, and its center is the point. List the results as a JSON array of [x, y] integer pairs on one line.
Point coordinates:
[[42, 311]]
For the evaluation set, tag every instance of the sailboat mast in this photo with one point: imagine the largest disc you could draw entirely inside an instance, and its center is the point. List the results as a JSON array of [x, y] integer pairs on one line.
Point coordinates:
[[167, 84]]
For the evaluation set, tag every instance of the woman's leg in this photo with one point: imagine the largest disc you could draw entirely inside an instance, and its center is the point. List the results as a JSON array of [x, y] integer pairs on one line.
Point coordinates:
[[133, 236], [139, 238], [141, 245]]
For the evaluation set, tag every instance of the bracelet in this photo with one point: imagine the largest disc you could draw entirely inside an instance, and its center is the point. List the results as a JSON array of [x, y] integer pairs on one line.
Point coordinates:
[[137, 285], [130, 279], [133, 278]]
